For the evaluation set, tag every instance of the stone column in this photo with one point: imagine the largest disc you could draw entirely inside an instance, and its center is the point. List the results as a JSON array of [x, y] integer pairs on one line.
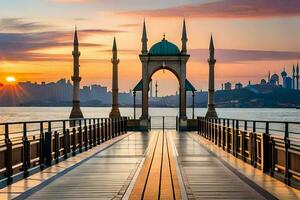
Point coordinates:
[[182, 100], [211, 111], [145, 106], [76, 112], [115, 112]]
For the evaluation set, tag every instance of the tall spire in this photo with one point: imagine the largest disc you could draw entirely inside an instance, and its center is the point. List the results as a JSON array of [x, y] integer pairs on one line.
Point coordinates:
[[297, 76], [294, 76], [212, 48], [75, 37], [144, 39], [184, 38], [114, 49]]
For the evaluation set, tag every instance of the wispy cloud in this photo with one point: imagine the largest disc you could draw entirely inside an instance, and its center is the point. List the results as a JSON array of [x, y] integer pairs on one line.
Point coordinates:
[[19, 24], [25, 46], [238, 55], [228, 9], [129, 25]]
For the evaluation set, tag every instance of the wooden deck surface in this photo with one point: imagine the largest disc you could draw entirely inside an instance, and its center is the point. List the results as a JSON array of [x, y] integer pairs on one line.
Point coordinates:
[[165, 164], [158, 178], [104, 176]]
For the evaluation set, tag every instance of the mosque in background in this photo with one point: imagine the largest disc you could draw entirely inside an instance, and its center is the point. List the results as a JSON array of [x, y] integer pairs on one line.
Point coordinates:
[[274, 81]]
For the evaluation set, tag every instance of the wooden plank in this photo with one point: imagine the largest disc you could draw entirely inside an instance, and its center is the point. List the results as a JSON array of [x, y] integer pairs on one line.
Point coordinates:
[[176, 188], [153, 183], [138, 189], [166, 190]]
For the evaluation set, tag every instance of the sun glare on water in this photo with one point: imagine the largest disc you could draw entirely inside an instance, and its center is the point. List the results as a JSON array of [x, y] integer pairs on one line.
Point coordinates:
[[10, 79]]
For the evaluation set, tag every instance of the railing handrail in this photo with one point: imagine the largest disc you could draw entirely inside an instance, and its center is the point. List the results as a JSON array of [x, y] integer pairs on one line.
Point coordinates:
[[44, 121], [258, 121]]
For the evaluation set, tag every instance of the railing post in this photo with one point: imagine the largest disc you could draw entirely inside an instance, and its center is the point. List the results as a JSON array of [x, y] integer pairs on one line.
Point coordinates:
[[109, 128], [42, 146], [48, 147], [94, 132], [90, 134], [98, 132], [74, 141], [223, 135], [126, 124], [265, 149], [228, 137], [254, 145], [102, 131], [8, 156], [26, 151], [66, 143], [244, 142], [287, 155], [85, 135], [80, 136], [56, 146]]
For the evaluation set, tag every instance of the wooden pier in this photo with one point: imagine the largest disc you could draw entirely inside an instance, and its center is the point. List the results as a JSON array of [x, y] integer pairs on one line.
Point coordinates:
[[101, 160]]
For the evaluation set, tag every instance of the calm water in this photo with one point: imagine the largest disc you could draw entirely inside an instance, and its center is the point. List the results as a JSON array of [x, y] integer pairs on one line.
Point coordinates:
[[9, 114], [19, 114]]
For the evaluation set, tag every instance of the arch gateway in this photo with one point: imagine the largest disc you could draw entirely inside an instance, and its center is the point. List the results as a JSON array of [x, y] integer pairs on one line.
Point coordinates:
[[164, 55]]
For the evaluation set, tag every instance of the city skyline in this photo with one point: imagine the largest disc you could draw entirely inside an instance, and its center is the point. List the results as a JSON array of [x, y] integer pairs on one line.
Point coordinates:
[[37, 46]]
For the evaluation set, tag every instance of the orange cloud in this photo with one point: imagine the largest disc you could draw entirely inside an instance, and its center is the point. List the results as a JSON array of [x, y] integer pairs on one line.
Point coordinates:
[[228, 9]]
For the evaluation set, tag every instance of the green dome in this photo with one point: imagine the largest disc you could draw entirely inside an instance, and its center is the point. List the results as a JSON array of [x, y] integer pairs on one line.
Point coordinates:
[[164, 48]]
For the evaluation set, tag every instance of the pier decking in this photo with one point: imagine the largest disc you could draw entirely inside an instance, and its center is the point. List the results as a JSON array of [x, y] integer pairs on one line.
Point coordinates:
[[151, 165]]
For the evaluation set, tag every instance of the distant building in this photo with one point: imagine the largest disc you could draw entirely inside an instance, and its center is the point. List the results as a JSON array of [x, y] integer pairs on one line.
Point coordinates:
[[274, 80], [238, 86], [263, 82], [227, 86]]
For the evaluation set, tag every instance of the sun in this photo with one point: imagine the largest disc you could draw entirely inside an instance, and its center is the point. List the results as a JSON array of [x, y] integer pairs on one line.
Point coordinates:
[[10, 79]]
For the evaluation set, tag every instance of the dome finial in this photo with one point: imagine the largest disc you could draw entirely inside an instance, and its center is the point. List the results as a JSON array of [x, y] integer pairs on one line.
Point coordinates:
[[164, 36]]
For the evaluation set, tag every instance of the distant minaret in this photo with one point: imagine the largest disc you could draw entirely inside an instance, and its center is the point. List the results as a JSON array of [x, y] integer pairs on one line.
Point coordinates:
[[144, 40], [115, 90], [269, 77], [184, 39], [156, 91], [297, 76], [76, 112], [294, 76], [211, 111]]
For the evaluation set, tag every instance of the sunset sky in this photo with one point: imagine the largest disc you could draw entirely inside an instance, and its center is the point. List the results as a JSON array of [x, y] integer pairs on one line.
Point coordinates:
[[251, 38]]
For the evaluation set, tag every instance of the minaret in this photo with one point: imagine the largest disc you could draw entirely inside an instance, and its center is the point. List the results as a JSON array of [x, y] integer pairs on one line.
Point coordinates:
[[156, 91], [211, 111], [297, 76], [269, 77], [76, 112], [184, 39], [115, 90], [294, 76], [144, 40]]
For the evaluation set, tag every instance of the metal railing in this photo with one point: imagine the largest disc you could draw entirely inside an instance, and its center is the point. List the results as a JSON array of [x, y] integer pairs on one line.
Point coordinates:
[[164, 122], [271, 146], [38, 144]]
